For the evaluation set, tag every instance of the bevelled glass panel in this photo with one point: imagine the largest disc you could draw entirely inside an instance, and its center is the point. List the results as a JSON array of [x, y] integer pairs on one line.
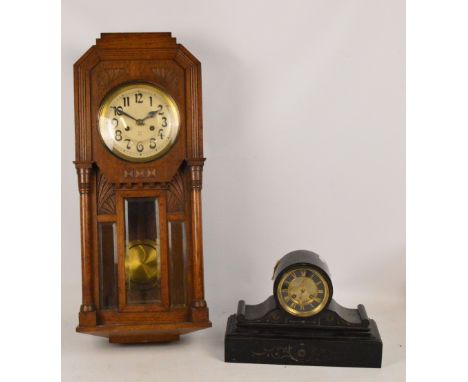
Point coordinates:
[[178, 261], [142, 256], [107, 266]]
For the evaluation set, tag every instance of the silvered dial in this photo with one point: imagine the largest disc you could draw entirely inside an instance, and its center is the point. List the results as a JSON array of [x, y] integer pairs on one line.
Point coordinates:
[[139, 122], [303, 291]]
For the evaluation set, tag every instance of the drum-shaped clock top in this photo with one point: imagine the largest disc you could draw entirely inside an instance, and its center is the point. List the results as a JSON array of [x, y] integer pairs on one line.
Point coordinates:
[[139, 122], [302, 284]]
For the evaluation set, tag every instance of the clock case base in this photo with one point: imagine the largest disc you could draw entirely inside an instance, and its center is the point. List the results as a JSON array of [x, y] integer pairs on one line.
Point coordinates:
[[337, 336], [143, 333]]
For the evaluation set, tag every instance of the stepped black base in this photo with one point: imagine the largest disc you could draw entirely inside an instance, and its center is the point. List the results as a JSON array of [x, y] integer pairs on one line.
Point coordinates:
[[336, 337]]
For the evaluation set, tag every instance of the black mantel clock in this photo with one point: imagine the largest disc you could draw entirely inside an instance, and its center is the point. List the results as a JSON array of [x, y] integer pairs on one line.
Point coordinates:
[[301, 323]]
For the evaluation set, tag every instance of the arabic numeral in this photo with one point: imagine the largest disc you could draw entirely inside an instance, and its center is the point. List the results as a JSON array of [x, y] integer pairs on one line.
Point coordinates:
[[117, 110], [164, 124], [128, 143], [140, 147], [118, 135], [126, 101], [138, 98], [152, 143]]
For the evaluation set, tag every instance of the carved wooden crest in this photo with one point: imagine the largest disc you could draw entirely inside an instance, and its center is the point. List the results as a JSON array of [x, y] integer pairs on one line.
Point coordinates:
[[175, 199], [105, 196]]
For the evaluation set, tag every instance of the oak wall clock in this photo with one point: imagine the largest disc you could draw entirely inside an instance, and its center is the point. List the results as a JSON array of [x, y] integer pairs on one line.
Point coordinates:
[[139, 158]]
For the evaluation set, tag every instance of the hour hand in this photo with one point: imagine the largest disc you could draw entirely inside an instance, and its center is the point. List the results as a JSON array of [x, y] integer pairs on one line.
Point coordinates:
[[151, 114]]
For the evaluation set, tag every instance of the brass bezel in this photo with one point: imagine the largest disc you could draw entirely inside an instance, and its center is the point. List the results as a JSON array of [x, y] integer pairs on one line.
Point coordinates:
[[107, 140], [298, 313]]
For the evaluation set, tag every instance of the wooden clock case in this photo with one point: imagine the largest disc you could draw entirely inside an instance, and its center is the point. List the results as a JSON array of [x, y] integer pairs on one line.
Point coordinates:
[[105, 181]]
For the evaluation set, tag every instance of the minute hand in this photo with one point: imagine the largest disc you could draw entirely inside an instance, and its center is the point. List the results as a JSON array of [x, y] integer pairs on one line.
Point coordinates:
[[121, 112]]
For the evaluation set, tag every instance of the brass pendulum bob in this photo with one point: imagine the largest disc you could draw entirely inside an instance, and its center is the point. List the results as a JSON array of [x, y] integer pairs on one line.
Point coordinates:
[[142, 264]]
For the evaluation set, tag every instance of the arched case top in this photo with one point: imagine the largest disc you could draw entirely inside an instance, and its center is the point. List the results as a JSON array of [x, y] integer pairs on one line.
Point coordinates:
[[300, 257]]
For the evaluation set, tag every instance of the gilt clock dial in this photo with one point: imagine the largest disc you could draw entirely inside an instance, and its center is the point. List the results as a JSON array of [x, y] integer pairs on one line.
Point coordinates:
[[303, 291], [139, 122]]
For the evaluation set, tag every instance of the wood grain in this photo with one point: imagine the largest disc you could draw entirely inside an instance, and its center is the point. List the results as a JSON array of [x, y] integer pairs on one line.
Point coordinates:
[[175, 179]]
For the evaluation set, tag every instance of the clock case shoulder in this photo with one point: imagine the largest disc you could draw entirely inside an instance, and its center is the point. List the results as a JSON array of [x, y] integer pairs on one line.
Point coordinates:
[[269, 314]]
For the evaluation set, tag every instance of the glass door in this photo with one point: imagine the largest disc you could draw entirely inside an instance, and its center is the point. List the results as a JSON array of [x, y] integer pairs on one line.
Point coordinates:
[[143, 281]]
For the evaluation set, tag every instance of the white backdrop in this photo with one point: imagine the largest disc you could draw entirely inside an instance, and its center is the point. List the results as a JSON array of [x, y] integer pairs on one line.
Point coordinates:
[[303, 109]]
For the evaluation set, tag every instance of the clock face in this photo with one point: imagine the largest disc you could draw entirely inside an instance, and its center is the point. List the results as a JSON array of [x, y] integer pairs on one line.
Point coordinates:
[[139, 122], [303, 291]]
